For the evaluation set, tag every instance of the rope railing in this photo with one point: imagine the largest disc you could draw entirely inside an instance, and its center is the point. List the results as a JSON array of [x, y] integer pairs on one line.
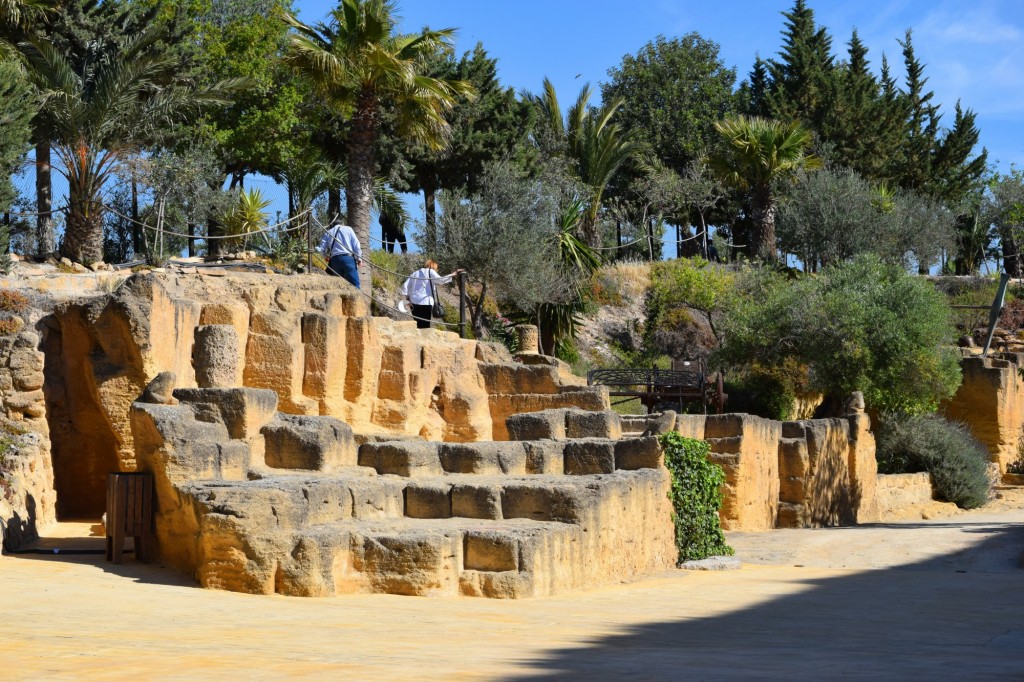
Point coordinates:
[[269, 228], [35, 214]]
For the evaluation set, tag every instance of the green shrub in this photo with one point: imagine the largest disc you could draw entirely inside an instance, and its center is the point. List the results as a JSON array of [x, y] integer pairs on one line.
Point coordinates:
[[761, 393], [958, 463], [858, 326], [696, 497]]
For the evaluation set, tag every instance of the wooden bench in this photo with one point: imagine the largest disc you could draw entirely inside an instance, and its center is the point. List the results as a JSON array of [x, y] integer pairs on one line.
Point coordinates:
[[129, 513]]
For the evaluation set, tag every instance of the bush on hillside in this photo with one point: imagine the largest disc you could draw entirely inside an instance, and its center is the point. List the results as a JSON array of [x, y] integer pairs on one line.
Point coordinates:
[[958, 463], [859, 326]]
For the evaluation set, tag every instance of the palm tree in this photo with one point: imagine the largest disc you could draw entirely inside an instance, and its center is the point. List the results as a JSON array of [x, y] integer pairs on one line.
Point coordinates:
[[759, 154], [100, 109], [358, 62], [596, 147], [16, 21]]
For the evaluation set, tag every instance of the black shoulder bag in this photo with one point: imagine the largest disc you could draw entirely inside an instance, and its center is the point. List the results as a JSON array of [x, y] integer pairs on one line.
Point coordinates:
[[437, 310]]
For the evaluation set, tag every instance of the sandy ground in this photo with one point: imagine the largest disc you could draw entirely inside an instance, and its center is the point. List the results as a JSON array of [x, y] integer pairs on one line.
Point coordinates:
[[936, 599]]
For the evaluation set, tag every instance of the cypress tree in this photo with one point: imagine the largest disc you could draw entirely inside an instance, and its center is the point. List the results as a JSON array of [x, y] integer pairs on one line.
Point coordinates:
[[803, 85]]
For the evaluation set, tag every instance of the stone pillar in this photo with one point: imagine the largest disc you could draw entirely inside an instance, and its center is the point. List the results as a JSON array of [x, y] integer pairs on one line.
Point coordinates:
[[215, 356], [529, 339]]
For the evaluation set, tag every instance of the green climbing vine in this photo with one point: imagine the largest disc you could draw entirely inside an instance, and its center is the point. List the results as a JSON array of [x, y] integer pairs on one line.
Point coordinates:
[[696, 497]]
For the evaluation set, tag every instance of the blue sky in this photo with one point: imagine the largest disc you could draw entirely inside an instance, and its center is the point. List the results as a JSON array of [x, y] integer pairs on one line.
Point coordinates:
[[974, 50]]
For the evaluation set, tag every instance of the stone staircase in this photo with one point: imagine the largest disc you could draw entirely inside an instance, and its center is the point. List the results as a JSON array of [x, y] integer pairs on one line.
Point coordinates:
[[257, 501]]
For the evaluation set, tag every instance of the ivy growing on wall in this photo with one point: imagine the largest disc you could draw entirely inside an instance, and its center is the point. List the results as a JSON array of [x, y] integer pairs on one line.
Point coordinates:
[[696, 497]]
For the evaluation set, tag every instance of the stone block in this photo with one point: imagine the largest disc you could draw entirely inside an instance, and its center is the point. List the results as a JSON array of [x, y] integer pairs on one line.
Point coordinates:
[[428, 500], [244, 411], [639, 453], [793, 458], [304, 442], [747, 449], [691, 425], [990, 401], [724, 425], [410, 563], [402, 458], [325, 359], [377, 499], [215, 356], [235, 314], [490, 551], [483, 458], [546, 502], [476, 501], [660, 424], [488, 351], [327, 501], [587, 424], [589, 456], [546, 424], [545, 457]]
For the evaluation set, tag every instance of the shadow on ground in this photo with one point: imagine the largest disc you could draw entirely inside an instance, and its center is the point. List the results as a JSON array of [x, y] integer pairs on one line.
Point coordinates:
[[84, 542], [934, 619]]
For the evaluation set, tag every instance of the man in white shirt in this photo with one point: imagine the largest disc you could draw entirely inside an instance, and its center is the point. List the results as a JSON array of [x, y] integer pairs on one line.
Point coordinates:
[[419, 289], [341, 248]]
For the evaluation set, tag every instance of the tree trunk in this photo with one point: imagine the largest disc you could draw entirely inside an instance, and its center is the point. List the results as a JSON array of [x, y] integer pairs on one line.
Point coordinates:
[[361, 167], [762, 208], [192, 241], [590, 231], [83, 235], [214, 229], [1011, 254], [430, 206], [333, 203], [138, 237], [44, 199]]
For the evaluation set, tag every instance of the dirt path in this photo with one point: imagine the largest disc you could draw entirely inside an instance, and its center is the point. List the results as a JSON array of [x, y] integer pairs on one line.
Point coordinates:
[[926, 600]]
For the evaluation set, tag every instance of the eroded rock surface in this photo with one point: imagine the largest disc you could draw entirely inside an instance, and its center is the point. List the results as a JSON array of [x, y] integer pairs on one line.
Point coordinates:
[[254, 500]]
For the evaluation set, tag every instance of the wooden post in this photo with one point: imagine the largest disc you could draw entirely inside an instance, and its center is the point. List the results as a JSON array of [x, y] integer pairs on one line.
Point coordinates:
[[129, 512], [462, 305], [309, 243]]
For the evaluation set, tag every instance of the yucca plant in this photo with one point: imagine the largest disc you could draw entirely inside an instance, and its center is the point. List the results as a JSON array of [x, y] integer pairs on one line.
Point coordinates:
[[248, 215]]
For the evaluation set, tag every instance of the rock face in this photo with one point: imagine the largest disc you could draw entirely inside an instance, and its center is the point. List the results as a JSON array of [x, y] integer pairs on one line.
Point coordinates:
[[493, 519], [990, 401], [28, 500], [810, 473], [898, 492], [309, 339]]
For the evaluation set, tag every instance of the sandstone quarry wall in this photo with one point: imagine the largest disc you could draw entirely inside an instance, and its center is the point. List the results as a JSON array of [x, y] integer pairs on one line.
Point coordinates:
[[810, 473], [310, 339], [27, 495], [990, 401], [897, 492]]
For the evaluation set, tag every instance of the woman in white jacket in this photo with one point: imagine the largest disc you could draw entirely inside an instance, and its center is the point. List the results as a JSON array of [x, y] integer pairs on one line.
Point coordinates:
[[420, 290]]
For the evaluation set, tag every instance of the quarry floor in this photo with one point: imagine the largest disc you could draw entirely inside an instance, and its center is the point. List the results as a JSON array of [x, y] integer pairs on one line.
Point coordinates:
[[926, 599]]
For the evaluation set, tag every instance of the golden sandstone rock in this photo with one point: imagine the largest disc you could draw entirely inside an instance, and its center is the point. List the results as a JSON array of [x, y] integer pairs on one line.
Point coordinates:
[[302, 446]]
